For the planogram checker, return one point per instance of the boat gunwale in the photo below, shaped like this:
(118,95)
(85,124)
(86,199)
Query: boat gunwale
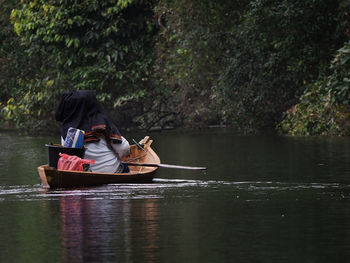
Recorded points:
(149,170)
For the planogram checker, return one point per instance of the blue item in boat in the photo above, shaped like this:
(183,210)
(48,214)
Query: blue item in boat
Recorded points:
(74,138)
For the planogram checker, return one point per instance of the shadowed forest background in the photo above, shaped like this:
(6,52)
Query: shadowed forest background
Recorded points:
(255,66)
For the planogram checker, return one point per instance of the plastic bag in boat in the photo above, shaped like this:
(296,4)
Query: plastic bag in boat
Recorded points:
(72,162)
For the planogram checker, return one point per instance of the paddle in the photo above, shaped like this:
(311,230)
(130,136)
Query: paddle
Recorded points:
(172,166)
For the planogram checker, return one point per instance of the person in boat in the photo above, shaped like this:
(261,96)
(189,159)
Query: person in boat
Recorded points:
(103,141)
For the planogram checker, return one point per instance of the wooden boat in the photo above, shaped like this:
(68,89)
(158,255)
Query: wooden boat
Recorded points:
(54,178)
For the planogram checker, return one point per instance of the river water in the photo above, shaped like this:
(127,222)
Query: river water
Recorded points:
(262,199)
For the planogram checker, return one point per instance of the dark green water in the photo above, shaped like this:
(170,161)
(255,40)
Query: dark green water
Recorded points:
(263,199)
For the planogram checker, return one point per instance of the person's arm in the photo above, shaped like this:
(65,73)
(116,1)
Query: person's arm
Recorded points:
(122,149)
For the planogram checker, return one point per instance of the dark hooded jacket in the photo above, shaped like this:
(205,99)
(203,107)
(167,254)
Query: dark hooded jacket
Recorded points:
(80,110)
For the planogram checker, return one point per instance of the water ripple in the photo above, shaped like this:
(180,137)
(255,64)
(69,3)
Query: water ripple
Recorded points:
(178,188)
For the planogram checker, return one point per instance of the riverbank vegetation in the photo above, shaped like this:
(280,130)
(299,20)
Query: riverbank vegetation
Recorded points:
(254,65)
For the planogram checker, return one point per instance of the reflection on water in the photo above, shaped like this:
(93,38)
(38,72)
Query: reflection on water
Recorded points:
(95,230)
(262,200)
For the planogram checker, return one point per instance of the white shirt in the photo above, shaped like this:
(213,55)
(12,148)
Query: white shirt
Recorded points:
(106,161)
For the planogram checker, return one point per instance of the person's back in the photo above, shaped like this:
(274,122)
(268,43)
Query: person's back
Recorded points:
(105,158)
(104,143)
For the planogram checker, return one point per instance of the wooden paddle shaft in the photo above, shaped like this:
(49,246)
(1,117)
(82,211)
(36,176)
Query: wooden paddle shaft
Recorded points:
(172,166)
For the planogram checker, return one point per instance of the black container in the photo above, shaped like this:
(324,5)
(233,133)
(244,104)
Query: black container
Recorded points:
(55,149)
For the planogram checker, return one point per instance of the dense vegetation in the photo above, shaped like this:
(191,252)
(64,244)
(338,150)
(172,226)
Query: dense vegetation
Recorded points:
(279,47)
(251,64)
(324,108)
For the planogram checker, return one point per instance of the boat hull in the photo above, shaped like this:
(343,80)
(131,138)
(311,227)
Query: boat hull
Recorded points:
(54,178)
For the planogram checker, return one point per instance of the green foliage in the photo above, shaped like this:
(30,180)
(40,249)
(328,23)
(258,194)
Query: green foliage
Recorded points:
(191,48)
(12,57)
(16,71)
(324,109)
(31,108)
(278,48)
(180,63)
(316,114)
(99,45)
(339,82)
